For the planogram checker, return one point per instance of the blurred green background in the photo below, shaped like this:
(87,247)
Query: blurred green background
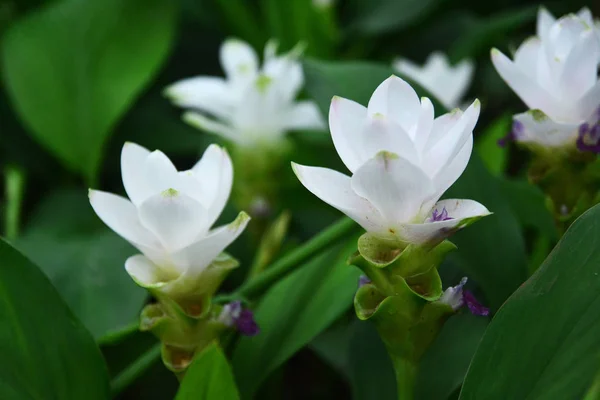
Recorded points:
(81,77)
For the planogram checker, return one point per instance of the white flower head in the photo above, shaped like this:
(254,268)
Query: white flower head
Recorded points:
(556,76)
(447,83)
(402,160)
(169,213)
(252,104)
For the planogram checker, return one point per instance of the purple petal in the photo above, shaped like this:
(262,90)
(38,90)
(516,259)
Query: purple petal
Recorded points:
(474,306)
(245,323)
(363,280)
(440,216)
(515,132)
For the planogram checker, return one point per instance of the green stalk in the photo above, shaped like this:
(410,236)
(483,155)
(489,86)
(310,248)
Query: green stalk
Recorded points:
(329,237)
(14,188)
(118,335)
(135,370)
(406,373)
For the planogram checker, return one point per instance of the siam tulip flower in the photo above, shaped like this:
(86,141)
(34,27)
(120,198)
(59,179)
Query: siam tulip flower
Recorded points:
(252,105)
(234,315)
(555,74)
(402,161)
(168,217)
(545,21)
(457,297)
(445,82)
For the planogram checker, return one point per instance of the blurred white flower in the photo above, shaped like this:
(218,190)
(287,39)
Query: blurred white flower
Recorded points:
(545,21)
(556,76)
(402,161)
(445,82)
(169,214)
(251,105)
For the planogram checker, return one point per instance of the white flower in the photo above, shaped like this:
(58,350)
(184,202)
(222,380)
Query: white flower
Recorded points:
(402,161)
(252,105)
(445,82)
(453,295)
(555,74)
(169,214)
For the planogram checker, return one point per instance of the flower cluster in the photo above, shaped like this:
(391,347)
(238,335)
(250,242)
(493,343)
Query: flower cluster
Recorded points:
(556,75)
(402,160)
(252,105)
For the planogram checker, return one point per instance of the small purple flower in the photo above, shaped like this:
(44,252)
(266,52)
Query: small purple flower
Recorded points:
(437,216)
(234,315)
(473,305)
(456,297)
(588,138)
(363,280)
(515,133)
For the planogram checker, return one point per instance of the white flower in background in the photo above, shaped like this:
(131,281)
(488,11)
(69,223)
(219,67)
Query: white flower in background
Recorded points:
(252,104)
(402,160)
(169,214)
(556,76)
(445,82)
(545,21)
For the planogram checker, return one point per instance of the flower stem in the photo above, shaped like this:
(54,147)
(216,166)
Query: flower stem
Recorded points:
(14,188)
(330,236)
(118,335)
(406,373)
(135,370)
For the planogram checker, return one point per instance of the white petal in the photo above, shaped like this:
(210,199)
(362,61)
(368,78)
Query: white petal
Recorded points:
(175,218)
(384,134)
(346,122)
(536,127)
(211,126)
(545,20)
(121,216)
(287,75)
(215,173)
(458,210)
(579,73)
(239,61)
(451,142)
(304,115)
(335,189)
(397,100)
(528,55)
(147,274)
(425,124)
(453,170)
(204,93)
(133,161)
(521,83)
(395,186)
(197,256)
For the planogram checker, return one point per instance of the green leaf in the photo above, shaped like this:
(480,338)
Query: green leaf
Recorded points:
(209,377)
(97,57)
(85,261)
(444,366)
(543,343)
(293,312)
(46,352)
(491,251)
(494,157)
(382,16)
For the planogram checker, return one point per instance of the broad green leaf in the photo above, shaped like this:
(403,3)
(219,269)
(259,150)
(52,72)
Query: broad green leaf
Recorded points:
(209,377)
(293,312)
(444,366)
(494,157)
(46,353)
(85,261)
(74,67)
(543,342)
(371,371)
(491,251)
(528,203)
(488,32)
(382,16)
